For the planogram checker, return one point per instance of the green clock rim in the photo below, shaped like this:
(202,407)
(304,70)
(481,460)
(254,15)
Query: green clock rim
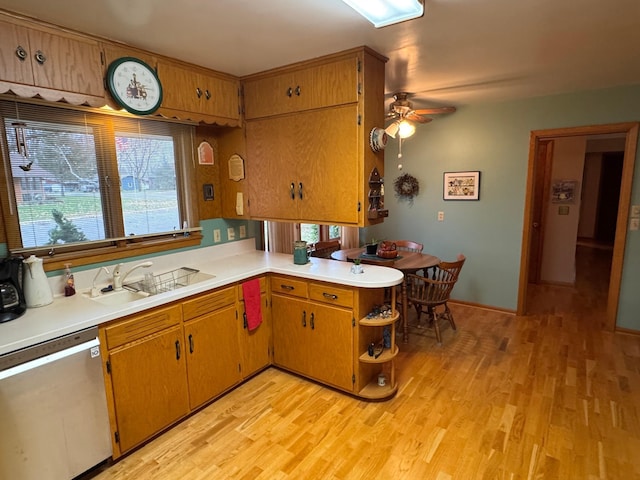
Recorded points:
(112,90)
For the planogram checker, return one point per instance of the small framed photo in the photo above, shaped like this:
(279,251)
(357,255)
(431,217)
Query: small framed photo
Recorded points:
(564,191)
(461,186)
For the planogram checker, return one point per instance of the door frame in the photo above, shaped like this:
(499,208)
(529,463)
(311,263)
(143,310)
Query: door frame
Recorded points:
(630,129)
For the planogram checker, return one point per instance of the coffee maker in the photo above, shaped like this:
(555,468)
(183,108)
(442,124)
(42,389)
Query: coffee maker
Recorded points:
(12,301)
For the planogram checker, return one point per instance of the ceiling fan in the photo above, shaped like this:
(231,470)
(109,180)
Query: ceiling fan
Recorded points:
(404,116)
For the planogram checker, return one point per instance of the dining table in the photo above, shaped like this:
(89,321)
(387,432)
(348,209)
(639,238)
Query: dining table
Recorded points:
(406,262)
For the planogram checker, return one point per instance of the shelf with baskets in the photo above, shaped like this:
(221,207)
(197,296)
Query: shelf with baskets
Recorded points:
(377,367)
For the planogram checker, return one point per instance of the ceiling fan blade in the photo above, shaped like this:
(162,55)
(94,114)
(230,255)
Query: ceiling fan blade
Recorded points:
(435,111)
(414,117)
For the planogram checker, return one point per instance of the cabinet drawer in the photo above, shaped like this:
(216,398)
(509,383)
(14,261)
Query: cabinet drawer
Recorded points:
(331,294)
(263,288)
(208,303)
(289,286)
(142,325)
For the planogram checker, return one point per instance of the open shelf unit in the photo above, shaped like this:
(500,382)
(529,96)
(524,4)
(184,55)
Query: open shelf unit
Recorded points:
(371,331)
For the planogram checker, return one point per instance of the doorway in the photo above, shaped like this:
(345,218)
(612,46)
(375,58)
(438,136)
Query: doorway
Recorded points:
(538,154)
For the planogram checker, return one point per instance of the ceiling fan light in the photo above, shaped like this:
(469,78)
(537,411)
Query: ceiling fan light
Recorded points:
(406,129)
(387,12)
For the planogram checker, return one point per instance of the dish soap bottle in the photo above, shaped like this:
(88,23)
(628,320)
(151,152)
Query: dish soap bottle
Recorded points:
(69,284)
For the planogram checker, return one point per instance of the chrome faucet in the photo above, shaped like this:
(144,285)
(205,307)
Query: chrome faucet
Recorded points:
(118,278)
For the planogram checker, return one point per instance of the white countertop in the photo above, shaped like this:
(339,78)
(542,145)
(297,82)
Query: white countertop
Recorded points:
(230,263)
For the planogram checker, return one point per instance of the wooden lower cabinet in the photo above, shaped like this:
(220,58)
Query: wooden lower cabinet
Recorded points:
(311,338)
(147,377)
(213,358)
(162,364)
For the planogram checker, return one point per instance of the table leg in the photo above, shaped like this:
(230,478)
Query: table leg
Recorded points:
(405,330)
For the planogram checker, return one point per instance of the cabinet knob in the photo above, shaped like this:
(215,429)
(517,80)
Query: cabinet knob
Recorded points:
(300,190)
(289,92)
(298,90)
(177,349)
(304,318)
(198,92)
(207,94)
(21,53)
(190,343)
(330,296)
(40,57)
(293,191)
(313,325)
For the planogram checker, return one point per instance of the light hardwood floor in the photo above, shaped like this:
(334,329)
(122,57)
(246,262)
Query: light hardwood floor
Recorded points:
(545,396)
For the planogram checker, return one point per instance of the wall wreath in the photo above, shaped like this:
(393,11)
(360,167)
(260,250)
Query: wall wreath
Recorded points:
(406,186)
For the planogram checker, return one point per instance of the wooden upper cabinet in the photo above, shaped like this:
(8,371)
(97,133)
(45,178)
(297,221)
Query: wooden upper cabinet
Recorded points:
(57,61)
(328,84)
(198,91)
(308,155)
(15,65)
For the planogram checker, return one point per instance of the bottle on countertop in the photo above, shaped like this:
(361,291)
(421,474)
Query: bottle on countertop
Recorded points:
(69,283)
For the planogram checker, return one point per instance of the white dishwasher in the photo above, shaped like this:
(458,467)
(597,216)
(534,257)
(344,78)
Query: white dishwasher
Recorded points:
(53,409)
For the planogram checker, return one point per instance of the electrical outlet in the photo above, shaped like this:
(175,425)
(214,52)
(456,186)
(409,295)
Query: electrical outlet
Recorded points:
(231,233)
(216,235)
(634,224)
(635,211)
(243,231)
(441,216)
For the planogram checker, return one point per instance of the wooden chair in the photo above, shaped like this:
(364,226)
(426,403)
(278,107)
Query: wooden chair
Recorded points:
(428,293)
(324,249)
(408,246)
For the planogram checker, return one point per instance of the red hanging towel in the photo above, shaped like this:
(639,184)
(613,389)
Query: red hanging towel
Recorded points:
(252,307)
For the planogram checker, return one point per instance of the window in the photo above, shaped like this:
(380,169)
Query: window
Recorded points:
(77,176)
(312,232)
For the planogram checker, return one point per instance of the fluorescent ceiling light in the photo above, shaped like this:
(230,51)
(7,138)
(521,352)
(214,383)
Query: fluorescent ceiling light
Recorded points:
(387,12)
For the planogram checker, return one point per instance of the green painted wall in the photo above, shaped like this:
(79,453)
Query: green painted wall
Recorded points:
(494,139)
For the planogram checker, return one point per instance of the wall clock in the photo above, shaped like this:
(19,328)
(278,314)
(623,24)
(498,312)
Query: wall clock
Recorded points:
(134,85)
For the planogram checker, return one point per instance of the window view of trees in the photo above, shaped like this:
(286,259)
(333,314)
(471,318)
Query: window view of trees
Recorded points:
(312,232)
(63,174)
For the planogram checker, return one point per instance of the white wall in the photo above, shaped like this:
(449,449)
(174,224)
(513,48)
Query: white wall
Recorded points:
(561,231)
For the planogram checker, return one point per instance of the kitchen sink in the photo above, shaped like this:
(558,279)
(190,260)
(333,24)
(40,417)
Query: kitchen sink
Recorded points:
(117,298)
(168,281)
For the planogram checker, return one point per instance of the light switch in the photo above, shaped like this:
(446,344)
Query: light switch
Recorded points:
(635,211)
(440,216)
(216,235)
(231,233)
(634,224)
(243,231)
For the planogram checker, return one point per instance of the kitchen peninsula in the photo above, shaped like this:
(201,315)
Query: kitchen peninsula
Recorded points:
(317,307)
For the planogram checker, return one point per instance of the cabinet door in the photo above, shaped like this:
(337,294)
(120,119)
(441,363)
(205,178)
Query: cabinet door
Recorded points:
(332,345)
(149,382)
(213,359)
(291,334)
(255,344)
(327,157)
(272,166)
(14,40)
(70,64)
(219,96)
(179,87)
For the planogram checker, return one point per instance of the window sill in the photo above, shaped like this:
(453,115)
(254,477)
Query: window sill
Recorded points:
(117,252)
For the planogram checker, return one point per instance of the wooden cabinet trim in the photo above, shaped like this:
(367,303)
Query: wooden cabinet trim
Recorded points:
(140,326)
(208,303)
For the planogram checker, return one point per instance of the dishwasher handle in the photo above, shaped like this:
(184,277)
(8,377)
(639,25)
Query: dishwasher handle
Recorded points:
(46,359)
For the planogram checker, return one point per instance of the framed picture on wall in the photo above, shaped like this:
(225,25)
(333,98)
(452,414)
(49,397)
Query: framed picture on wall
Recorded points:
(564,191)
(461,186)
